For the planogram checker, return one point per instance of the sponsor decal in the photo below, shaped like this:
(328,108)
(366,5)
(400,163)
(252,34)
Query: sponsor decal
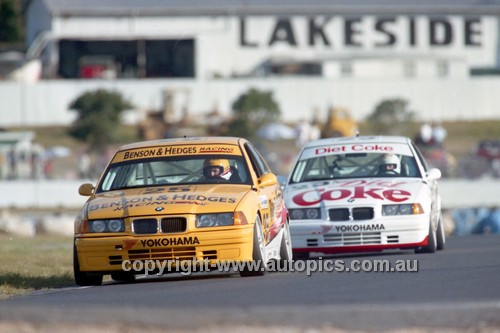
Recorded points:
(172,150)
(129,243)
(314,197)
(380,148)
(218,150)
(357,227)
(170,241)
(324,230)
(264,203)
(161,200)
(349,228)
(161,151)
(354,148)
(174,189)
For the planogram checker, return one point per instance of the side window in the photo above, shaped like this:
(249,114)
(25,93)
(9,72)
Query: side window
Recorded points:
(421,157)
(258,164)
(261,161)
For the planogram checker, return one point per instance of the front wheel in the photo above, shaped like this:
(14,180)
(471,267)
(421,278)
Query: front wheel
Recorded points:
(82,278)
(431,244)
(286,244)
(125,277)
(441,237)
(257,266)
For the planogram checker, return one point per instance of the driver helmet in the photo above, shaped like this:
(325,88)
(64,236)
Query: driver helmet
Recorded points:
(216,168)
(389,163)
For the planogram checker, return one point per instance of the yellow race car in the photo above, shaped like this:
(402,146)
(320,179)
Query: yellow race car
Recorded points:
(181,200)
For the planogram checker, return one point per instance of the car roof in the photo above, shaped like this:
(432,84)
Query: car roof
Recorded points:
(183,141)
(357,139)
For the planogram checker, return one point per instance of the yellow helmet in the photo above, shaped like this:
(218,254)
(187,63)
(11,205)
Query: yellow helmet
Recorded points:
(220,163)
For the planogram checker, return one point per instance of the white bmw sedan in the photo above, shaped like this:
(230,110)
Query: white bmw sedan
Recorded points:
(362,194)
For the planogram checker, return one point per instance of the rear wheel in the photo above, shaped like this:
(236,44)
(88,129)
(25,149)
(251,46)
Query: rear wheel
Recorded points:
(431,244)
(82,278)
(127,277)
(301,255)
(257,266)
(441,237)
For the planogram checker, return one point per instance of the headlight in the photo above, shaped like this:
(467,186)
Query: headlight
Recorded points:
(305,214)
(406,209)
(214,220)
(115,225)
(81,221)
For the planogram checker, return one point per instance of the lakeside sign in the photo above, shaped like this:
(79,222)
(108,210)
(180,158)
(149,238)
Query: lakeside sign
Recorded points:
(336,32)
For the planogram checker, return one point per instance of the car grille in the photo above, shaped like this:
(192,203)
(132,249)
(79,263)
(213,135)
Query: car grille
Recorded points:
(210,255)
(145,226)
(115,260)
(393,239)
(362,213)
(339,214)
(346,239)
(173,224)
(181,253)
(312,242)
(347,214)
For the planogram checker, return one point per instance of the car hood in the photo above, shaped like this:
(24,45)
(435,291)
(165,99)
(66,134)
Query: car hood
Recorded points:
(353,192)
(166,200)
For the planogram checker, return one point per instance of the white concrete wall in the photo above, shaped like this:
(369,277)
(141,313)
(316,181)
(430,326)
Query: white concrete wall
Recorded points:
(23,194)
(47,102)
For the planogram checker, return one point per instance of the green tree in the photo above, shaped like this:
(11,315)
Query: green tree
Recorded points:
(251,111)
(391,117)
(98,121)
(9,22)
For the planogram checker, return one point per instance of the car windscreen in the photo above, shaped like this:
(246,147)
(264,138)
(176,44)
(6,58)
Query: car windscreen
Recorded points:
(354,165)
(174,170)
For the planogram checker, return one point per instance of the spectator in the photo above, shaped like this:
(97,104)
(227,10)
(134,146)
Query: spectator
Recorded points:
(12,163)
(424,137)
(490,224)
(83,165)
(438,134)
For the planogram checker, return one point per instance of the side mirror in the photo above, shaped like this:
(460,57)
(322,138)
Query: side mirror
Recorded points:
(268,179)
(434,174)
(86,189)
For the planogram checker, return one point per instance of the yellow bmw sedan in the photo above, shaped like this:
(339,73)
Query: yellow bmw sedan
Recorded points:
(210,199)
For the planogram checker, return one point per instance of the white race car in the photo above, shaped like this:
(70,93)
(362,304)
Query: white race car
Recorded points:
(361,194)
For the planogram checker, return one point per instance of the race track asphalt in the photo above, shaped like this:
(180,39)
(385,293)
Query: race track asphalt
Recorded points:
(458,288)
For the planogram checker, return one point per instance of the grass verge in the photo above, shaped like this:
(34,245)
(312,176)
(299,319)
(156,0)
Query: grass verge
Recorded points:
(29,264)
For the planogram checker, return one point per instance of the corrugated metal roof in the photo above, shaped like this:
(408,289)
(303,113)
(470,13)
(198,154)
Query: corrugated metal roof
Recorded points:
(268,7)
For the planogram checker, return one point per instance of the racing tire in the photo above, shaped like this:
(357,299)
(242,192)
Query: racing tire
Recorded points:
(257,266)
(441,237)
(125,277)
(82,278)
(431,244)
(301,255)
(286,244)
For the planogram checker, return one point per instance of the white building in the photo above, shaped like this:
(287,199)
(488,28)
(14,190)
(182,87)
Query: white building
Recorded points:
(353,53)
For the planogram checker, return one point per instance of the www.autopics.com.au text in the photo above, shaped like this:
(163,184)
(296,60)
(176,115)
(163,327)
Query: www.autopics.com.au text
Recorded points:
(187,267)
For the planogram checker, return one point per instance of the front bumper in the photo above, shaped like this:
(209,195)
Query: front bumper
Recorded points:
(359,236)
(106,254)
